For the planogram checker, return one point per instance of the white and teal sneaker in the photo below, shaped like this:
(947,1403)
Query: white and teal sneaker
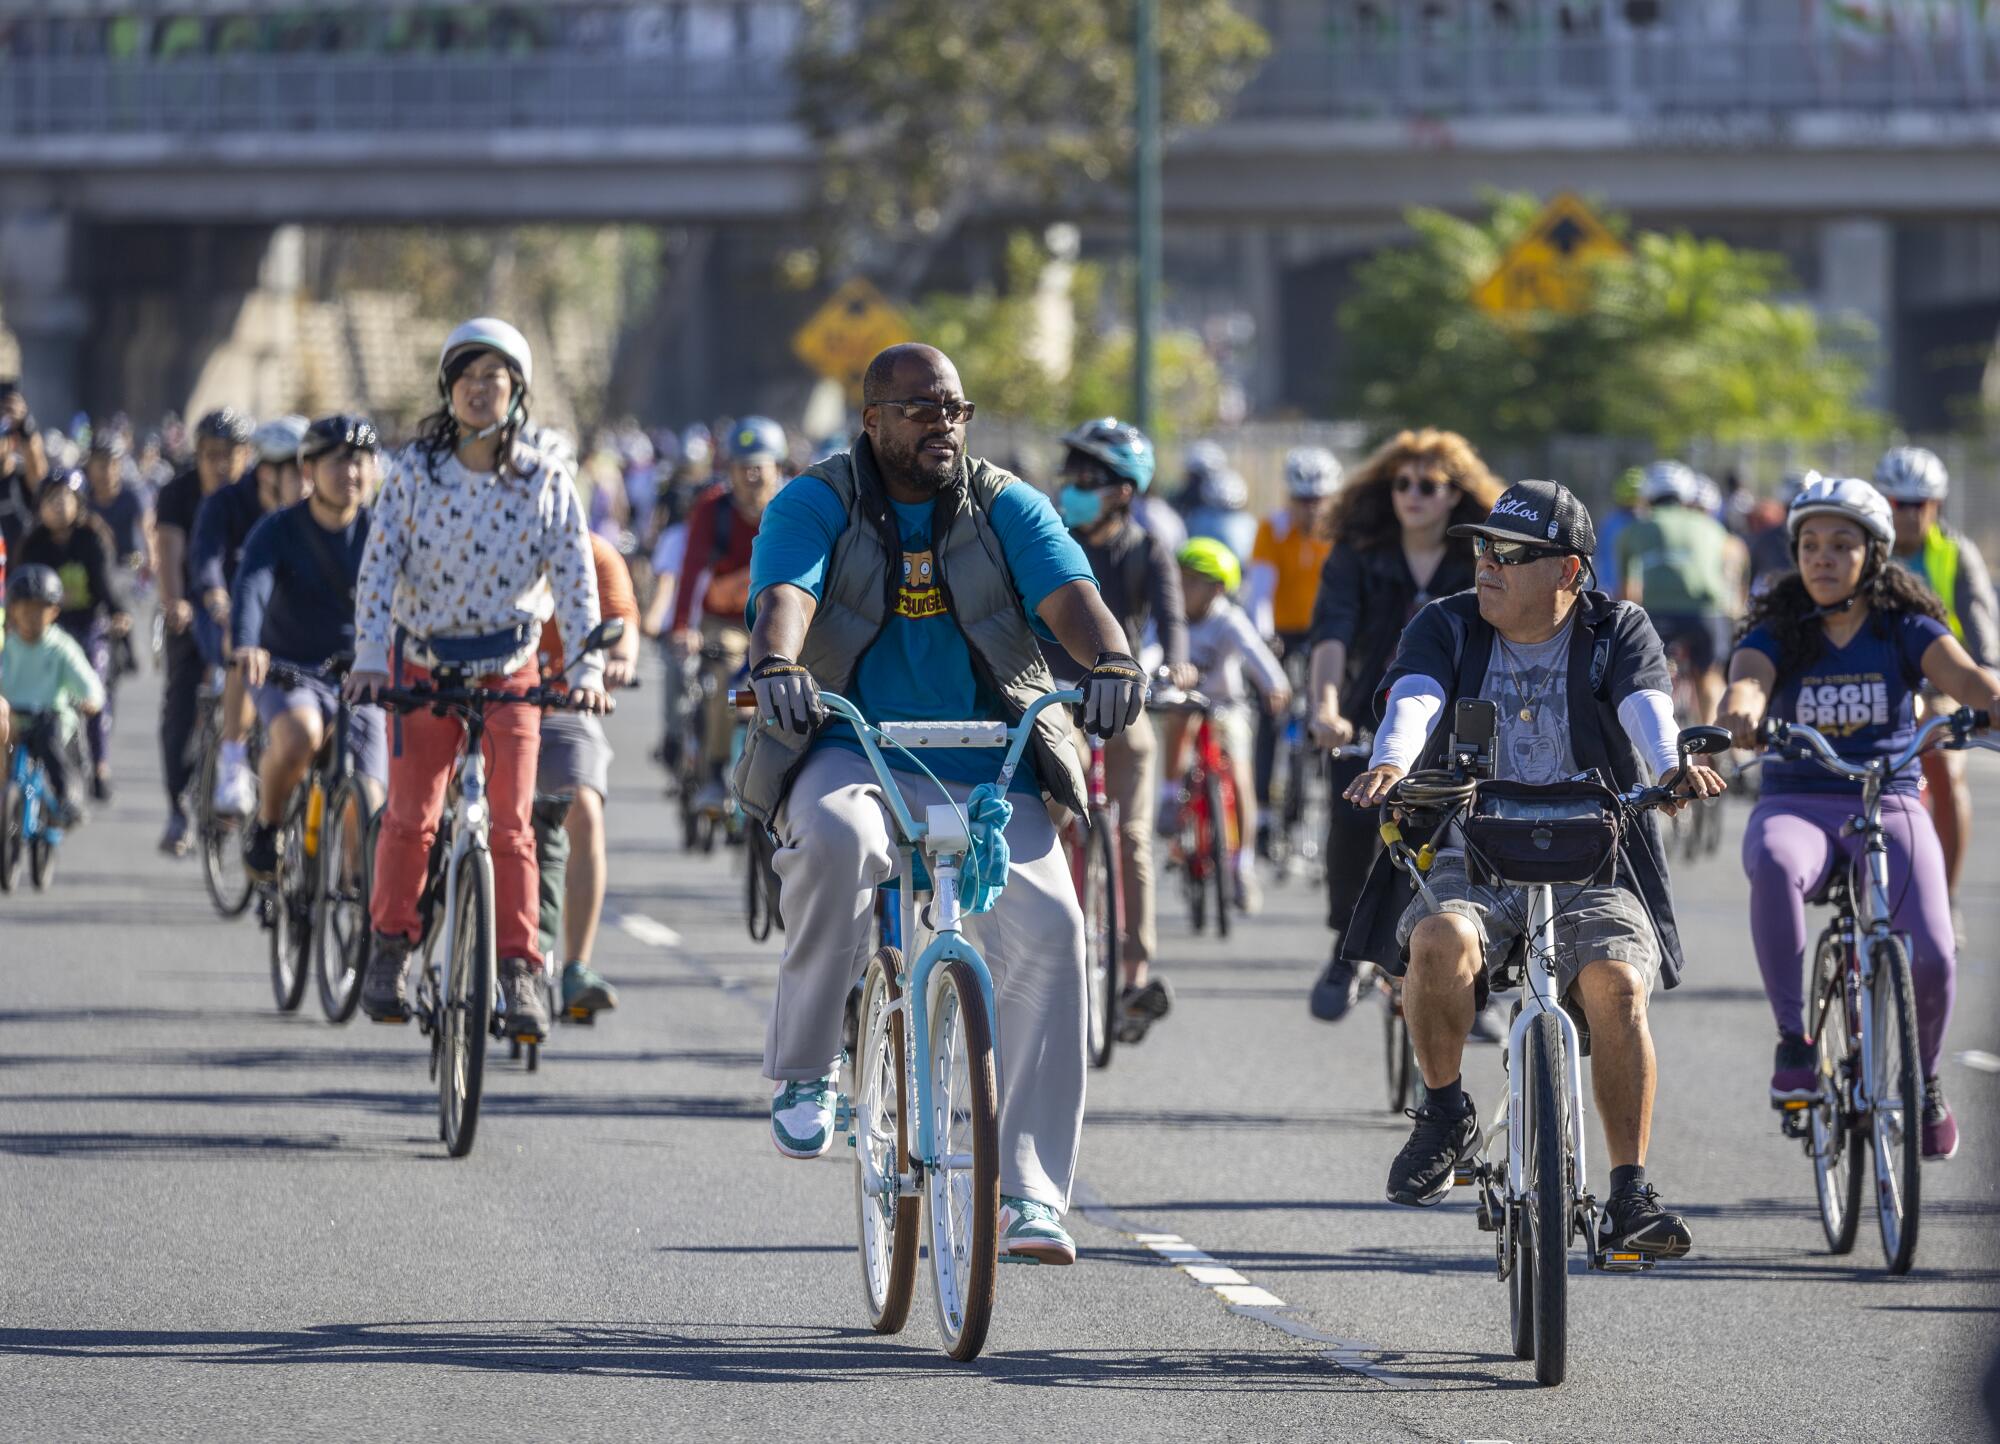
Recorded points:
(1034,1230)
(802,1116)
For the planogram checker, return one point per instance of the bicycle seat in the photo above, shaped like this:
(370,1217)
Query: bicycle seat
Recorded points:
(1831,890)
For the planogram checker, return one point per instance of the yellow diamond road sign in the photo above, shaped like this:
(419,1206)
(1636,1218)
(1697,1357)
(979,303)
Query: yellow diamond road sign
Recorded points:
(845,333)
(1548,269)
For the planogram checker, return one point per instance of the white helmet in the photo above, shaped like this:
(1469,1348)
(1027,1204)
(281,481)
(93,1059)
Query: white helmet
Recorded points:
(1311,472)
(278,441)
(488,333)
(1794,483)
(1671,481)
(1847,496)
(1225,490)
(1910,473)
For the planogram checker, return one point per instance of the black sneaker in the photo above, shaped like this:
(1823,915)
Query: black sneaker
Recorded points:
(1422,1172)
(1337,990)
(1636,1223)
(1140,1008)
(260,852)
(527,1007)
(384,994)
(1794,1072)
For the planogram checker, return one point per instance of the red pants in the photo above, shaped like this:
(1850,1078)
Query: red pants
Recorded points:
(418,773)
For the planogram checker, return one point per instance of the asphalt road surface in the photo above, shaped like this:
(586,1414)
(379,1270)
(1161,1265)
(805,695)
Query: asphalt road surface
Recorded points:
(223,1223)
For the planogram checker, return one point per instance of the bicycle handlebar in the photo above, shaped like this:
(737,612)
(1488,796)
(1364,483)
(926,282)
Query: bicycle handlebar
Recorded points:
(416,699)
(1800,742)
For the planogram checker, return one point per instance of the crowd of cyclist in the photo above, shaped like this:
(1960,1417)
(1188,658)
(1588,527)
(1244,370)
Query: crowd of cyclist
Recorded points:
(297,570)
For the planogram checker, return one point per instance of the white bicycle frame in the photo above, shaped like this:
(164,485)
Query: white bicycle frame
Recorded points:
(471,824)
(1539,995)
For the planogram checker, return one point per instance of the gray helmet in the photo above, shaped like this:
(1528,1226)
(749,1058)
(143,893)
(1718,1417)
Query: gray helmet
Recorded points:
(36,583)
(1311,472)
(1911,474)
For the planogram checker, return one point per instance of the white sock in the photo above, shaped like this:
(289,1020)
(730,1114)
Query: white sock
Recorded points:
(232,753)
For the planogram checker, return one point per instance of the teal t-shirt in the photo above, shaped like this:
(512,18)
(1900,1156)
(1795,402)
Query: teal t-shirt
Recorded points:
(919,669)
(49,675)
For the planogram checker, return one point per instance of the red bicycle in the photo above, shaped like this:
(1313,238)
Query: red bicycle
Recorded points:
(1206,835)
(1091,843)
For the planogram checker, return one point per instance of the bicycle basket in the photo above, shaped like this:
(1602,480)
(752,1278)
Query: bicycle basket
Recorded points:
(1518,833)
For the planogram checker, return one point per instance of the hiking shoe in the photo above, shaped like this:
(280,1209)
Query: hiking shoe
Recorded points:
(1034,1230)
(1141,1007)
(384,994)
(802,1116)
(100,786)
(1422,1172)
(174,841)
(1940,1128)
(527,1006)
(260,852)
(1636,1223)
(234,794)
(1794,1072)
(585,993)
(1337,989)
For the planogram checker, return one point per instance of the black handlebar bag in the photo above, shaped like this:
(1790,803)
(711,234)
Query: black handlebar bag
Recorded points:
(1520,834)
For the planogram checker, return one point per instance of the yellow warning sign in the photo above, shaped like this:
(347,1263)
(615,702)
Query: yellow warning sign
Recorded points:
(844,334)
(1548,269)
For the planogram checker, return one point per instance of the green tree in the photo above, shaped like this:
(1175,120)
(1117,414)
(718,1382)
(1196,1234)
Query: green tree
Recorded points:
(1682,339)
(924,112)
(997,339)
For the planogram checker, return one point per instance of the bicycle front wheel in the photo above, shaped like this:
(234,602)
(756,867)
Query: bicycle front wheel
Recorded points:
(340,916)
(758,903)
(222,841)
(888,1218)
(1219,827)
(41,861)
(291,914)
(1401,1057)
(1837,1145)
(468,1006)
(962,1187)
(1545,1211)
(12,845)
(1100,939)
(1896,1103)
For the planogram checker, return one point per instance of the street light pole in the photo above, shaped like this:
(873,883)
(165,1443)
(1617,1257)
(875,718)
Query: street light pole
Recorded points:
(1146,213)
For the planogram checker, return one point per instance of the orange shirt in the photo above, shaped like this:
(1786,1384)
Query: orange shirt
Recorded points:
(615,598)
(1297,559)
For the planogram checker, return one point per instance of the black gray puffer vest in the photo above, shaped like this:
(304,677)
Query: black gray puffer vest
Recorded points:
(858,598)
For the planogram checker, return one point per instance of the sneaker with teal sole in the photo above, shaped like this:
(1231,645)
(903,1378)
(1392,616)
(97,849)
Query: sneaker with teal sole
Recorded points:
(585,994)
(802,1116)
(1034,1230)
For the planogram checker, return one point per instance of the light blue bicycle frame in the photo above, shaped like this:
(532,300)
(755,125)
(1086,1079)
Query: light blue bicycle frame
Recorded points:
(945,919)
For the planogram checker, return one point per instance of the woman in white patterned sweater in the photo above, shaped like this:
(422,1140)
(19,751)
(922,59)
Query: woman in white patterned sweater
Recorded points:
(476,540)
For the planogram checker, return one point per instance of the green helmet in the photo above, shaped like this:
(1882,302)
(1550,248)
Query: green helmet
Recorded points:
(1207,557)
(1627,489)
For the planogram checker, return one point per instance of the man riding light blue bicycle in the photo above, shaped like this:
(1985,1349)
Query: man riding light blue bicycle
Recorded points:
(915,581)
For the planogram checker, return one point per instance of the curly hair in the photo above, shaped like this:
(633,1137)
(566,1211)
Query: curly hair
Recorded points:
(1788,611)
(1364,513)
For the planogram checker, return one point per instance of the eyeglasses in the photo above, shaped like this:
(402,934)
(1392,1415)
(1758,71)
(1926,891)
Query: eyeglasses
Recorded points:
(926,412)
(1087,475)
(1511,553)
(1424,486)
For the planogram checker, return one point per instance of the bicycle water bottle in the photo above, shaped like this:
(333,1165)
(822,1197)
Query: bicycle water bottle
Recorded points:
(315,809)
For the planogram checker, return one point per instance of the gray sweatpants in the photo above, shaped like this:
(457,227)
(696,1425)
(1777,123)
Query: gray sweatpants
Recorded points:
(835,846)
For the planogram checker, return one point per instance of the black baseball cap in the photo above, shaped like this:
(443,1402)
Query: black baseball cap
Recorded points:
(1541,513)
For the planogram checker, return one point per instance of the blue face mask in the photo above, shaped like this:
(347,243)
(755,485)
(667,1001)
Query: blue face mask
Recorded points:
(1079,507)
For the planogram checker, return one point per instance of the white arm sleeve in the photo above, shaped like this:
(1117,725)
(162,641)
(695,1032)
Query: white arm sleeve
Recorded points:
(1648,719)
(1415,704)
(1258,590)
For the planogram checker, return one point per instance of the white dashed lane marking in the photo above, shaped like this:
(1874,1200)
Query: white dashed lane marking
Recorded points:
(1980,1060)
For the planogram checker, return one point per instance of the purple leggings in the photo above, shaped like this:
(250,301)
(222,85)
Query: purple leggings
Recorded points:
(1788,849)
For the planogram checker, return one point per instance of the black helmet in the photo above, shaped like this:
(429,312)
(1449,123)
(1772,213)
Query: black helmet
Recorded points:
(35,583)
(225,423)
(340,430)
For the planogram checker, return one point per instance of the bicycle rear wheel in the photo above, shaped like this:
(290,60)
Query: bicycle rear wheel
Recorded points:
(1896,1103)
(12,844)
(1545,1211)
(1837,1145)
(888,1219)
(962,1190)
(291,931)
(1400,1055)
(340,914)
(1100,939)
(1218,850)
(468,1004)
(222,840)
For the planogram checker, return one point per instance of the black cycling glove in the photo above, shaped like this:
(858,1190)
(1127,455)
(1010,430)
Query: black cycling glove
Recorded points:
(1114,694)
(787,696)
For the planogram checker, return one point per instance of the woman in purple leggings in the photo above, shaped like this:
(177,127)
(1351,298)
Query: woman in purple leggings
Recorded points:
(1843,643)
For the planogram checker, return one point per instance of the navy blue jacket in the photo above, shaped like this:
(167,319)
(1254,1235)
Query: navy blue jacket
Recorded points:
(294,593)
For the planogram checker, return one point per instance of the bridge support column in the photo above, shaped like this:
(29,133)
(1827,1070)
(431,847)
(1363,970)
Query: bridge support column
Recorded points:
(42,307)
(1858,280)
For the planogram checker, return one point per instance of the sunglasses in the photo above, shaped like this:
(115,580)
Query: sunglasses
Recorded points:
(1088,475)
(926,412)
(1909,505)
(1511,553)
(1424,486)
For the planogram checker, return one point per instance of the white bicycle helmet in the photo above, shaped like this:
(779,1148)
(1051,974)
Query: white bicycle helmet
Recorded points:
(488,333)
(1794,483)
(1847,496)
(1311,472)
(1225,490)
(1911,473)
(278,441)
(1671,481)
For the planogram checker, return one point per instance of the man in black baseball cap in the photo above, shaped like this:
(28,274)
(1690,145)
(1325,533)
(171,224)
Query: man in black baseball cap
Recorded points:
(1579,682)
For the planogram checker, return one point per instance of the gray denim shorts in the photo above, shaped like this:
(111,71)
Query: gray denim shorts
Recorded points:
(575,753)
(1592,923)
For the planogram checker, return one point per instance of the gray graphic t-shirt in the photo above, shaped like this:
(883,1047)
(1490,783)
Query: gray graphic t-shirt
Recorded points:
(1535,680)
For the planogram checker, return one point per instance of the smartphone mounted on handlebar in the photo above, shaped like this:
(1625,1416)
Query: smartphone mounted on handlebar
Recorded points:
(1475,722)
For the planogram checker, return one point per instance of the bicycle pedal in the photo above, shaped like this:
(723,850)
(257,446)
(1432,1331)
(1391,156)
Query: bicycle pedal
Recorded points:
(1622,1261)
(1463,1174)
(584,1016)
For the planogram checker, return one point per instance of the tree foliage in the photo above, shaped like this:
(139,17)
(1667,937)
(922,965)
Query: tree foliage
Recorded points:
(1684,339)
(924,111)
(996,339)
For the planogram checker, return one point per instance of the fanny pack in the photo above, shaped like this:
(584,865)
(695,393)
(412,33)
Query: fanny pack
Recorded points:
(490,652)
(1518,833)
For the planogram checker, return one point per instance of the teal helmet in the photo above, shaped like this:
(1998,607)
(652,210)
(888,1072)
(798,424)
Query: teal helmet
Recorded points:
(1122,448)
